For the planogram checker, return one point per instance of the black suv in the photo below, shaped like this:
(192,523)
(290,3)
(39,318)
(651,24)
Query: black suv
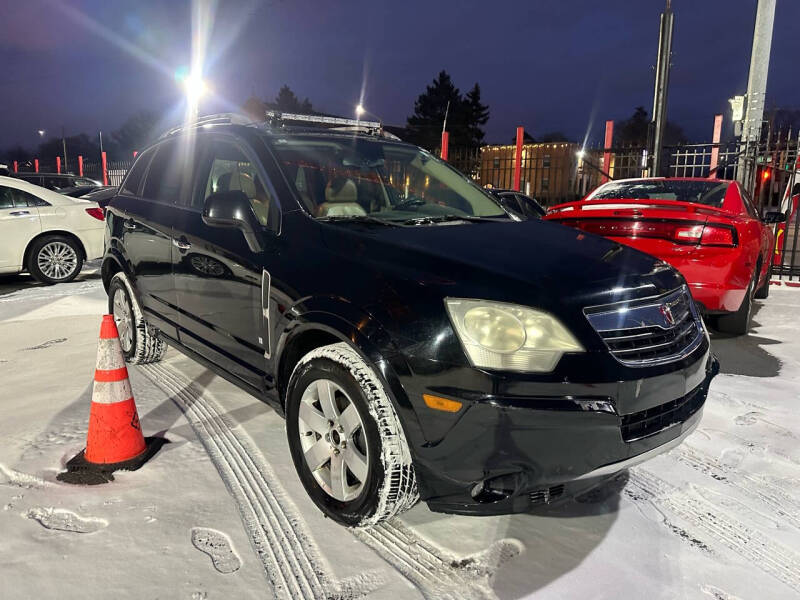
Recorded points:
(420,343)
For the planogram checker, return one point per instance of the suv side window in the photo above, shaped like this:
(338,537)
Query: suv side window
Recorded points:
(133,180)
(55,183)
(168,169)
(229,168)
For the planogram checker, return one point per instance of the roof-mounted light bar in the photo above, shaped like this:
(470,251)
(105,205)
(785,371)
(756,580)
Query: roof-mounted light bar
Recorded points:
(274,117)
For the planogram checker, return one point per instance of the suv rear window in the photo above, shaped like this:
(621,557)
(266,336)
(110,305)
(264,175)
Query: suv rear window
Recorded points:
(710,193)
(134,177)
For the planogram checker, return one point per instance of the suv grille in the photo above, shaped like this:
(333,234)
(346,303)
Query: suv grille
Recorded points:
(640,424)
(652,331)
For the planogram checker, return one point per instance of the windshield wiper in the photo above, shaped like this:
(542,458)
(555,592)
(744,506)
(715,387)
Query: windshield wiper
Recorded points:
(358,219)
(448,218)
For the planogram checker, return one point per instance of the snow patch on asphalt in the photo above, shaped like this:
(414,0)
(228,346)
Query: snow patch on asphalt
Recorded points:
(10,476)
(60,519)
(218,547)
(436,573)
(277,532)
(50,292)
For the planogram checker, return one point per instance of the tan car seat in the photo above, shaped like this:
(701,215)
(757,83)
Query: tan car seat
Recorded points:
(341,200)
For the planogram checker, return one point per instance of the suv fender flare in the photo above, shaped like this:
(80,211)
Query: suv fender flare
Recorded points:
(114,262)
(367,337)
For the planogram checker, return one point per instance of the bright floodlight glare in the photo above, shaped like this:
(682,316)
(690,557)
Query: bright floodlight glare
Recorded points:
(41,132)
(359,110)
(580,153)
(195,87)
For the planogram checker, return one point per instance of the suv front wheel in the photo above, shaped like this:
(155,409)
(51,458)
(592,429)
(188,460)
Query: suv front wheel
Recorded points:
(346,440)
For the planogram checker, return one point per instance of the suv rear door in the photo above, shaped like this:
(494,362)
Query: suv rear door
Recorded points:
(145,231)
(221,284)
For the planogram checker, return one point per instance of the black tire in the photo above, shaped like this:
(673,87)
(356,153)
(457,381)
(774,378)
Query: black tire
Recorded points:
(55,259)
(738,323)
(389,487)
(762,293)
(140,342)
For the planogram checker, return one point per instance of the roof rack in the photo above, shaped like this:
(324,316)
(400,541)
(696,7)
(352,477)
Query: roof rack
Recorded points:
(277,118)
(215,119)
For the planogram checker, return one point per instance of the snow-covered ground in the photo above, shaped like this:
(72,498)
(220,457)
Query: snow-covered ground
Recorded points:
(219,512)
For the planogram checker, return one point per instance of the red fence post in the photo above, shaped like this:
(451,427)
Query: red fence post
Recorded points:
(58,164)
(80,165)
(35,165)
(715,148)
(16,167)
(607,147)
(518,158)
(105,168)
(445,144)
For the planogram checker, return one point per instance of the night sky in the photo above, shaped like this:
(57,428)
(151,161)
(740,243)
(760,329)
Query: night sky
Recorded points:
(548,65)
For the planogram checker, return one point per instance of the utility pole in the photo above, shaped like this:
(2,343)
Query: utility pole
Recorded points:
(659,118)
(64,146)
(756,85)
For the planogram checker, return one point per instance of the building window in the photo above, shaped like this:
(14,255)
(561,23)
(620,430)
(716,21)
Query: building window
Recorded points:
(546,161)
(496,162)
(545,184)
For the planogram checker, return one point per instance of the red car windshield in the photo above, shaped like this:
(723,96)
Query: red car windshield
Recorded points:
(710,193)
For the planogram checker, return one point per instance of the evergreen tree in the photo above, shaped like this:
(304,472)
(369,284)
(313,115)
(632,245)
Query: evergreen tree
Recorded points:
(465,117)
(287,101)
(477,116)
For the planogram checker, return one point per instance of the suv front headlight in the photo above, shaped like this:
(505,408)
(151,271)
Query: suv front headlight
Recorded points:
(497,335)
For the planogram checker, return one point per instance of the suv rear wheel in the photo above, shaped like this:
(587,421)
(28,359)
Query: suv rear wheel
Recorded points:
(140,342)
(357,472)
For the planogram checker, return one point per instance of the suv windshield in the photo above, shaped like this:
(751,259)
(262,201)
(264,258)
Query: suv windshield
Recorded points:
(356,178)
(710,193)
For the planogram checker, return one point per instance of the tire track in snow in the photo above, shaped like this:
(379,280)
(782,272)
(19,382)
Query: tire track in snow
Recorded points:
(277,532)
(771,496)
(436,573)
(754,547)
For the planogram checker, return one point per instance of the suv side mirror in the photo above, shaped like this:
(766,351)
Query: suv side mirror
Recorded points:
(771,218)
(232,209)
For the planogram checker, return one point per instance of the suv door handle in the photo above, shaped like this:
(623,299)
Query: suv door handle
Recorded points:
(130,226)
(20,213)
(180,245)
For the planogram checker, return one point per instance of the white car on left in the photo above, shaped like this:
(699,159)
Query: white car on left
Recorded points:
(45,233)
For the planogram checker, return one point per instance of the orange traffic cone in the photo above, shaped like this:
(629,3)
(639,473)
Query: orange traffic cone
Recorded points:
(115,439)
(114,431)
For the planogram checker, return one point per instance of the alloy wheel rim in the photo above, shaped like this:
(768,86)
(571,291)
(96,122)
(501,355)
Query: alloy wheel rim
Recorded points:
(57,260)
(123,320)
(333,440)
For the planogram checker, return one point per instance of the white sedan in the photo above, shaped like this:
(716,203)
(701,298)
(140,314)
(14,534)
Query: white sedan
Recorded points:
(45,233)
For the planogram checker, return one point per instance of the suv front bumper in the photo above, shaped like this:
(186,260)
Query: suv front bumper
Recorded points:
(507,453)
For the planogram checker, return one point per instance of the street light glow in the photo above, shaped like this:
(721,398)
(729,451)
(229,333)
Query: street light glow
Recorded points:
(41,132)
(580,153)
(359,110)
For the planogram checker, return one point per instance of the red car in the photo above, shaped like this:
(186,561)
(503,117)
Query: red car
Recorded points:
(708,229)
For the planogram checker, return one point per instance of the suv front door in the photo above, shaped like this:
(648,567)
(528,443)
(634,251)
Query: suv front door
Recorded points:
(220,282)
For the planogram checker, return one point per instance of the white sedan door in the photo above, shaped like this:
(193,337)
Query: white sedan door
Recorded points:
(19,223)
